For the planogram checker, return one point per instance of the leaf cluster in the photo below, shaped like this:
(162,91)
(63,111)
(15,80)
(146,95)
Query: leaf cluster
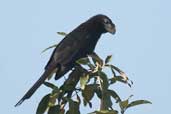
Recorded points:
(87,80)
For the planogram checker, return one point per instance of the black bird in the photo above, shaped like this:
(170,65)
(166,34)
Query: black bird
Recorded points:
(77,44)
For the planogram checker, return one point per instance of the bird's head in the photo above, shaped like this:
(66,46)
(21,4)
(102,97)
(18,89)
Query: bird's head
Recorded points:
(103,24)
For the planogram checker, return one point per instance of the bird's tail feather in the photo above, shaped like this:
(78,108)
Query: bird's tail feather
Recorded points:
(38,83)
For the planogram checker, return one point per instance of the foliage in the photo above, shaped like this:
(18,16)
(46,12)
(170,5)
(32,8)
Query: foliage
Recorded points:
(90,73)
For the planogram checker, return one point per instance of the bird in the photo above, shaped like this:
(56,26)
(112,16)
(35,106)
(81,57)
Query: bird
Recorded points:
(79,43)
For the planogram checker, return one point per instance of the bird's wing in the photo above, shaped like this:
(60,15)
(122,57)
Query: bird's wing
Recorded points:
(66,51)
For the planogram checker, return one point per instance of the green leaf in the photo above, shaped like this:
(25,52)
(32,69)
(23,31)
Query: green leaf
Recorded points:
(83,81)
(50,85)
(111,68)
(55,91)
(103,77)
(122,74)
(105,112)
(62,111)
(68,87)
(116,68)
(91,66)
(138,102)
(43,105)
(62,33)
(112,80)
(54,109)
(113,72)
(52,99)
(88,92)
(117,78)
(83,61)
(84,102)
(106,101)
(73,107)
(78,99)
(96,59)
(53,46)
(120,79)
(123,104)
(73,78)
(114,95)
(98,92)
(108,59)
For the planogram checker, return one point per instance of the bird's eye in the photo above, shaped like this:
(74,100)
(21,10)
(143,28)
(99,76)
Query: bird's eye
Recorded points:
(106,21)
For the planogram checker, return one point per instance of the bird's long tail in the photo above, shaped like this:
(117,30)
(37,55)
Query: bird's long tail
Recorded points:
(38,83)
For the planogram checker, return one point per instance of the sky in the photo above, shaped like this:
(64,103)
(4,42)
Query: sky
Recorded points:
(140,47)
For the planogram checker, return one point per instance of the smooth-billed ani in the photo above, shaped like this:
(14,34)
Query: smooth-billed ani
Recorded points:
(77,44)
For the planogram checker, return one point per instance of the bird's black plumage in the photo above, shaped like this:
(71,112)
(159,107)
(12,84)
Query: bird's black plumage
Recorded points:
(77,44)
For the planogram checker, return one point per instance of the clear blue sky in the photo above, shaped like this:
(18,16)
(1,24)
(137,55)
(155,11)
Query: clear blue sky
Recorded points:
(141,47)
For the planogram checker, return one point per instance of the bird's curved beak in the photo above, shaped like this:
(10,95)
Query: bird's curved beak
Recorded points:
(111,29)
